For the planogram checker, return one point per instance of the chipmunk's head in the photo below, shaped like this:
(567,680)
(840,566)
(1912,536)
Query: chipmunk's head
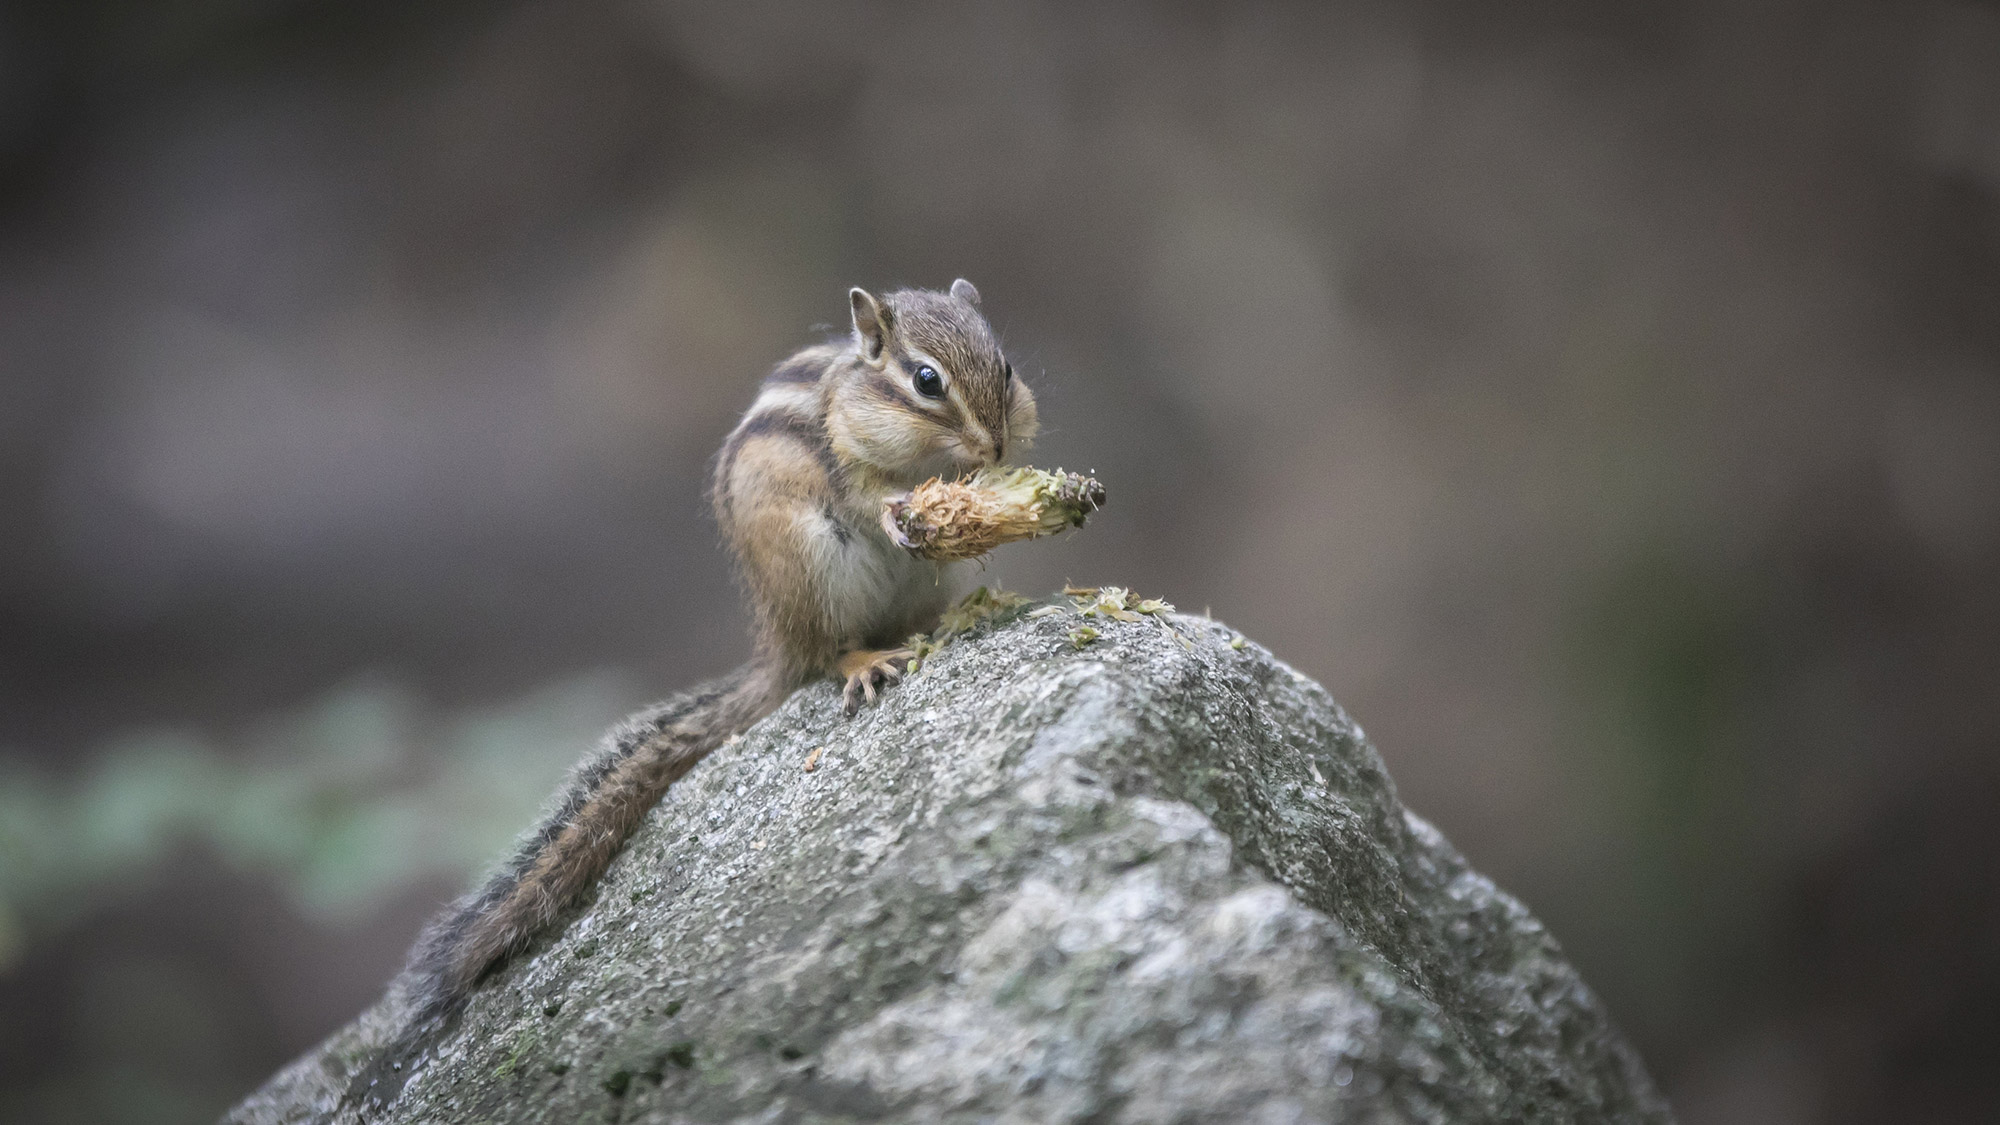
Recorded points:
(932,395)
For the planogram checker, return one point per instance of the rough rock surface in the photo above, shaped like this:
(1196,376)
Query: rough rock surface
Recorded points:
(1158,877)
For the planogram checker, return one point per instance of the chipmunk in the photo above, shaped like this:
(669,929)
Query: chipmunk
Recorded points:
(920,390)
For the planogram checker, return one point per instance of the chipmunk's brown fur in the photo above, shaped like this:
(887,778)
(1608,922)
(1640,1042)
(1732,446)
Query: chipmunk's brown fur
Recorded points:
(920,390)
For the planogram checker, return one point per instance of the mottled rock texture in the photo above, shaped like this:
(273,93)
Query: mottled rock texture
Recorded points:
(1158,877)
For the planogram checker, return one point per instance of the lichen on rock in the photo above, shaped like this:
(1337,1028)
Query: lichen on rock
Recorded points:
(1159,877)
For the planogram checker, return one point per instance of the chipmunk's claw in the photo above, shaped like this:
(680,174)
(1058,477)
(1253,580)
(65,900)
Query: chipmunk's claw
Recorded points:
(869,672)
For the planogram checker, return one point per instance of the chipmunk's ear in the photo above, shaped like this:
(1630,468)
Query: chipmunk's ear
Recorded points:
(872,321)
(963,290)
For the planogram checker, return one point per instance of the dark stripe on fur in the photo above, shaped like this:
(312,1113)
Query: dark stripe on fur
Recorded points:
(839,526)
(884,391)
(798,370)
(778,422)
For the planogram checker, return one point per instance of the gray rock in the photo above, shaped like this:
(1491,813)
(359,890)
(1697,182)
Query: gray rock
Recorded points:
(1159,877)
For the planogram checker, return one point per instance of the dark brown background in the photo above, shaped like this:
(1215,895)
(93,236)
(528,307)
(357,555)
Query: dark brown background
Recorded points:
(1602,399)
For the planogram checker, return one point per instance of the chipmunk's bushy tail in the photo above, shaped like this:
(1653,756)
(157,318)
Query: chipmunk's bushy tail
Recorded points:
(606,798)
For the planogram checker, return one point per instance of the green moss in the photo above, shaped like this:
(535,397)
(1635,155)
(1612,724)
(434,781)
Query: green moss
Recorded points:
(983,606)
(977,608)
(525,1041)
(1115,602)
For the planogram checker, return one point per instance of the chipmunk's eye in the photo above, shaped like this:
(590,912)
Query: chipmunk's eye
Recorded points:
(929,383)
(1010,372)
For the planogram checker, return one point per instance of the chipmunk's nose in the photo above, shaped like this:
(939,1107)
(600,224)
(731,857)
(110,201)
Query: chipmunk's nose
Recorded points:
(983,445)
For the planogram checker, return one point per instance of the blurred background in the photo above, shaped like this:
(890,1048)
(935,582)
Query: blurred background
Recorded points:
(1602,399)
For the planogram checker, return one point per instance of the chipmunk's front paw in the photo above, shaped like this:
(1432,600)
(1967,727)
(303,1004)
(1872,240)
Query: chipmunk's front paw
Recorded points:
(869,671)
